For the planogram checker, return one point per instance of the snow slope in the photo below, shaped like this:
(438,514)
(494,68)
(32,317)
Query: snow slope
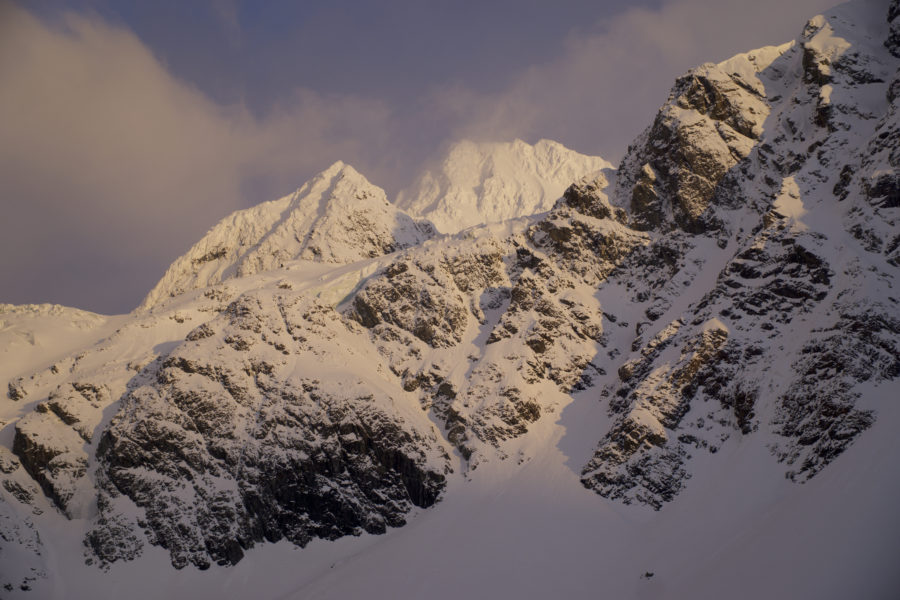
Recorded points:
(35,336)
(32,333)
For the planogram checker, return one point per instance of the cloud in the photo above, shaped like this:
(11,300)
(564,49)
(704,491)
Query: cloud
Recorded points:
(610,79)
(110,167)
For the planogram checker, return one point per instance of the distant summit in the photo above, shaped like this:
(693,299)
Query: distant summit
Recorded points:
(488,182)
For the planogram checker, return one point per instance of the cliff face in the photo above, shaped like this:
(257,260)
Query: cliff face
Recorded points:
(779,158)
(251,430)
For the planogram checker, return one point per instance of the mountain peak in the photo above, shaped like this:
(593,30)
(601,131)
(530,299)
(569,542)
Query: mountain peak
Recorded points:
(338,166)
(485,182)
(338,216)
(341,169)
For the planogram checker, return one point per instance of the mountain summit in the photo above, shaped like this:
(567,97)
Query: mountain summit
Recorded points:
(481,183)
(336,217)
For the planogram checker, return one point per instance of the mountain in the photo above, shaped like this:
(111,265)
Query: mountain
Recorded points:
(340,217)
(39,334)
(490,182)
(336,217)
(680,381)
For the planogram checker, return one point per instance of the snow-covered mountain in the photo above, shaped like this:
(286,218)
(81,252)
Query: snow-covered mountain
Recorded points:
(339,217)
(678,382)
(481,183)
(336,217)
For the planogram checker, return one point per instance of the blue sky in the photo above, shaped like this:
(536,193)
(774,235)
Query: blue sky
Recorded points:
(130,128)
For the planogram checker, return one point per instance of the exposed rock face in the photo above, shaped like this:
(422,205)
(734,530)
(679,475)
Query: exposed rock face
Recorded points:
(635,459)
(22,552)
(417,298)
(892,43)
(712,120)
(584,234)
(516,306)
(230,445)
(53,454)
(818,413)
(786,293)
(51,441)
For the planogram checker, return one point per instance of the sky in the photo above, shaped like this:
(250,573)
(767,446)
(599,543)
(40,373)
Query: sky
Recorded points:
(128,129)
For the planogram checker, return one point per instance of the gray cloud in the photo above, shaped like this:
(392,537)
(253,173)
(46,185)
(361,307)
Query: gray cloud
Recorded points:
(110,166)
(607,84)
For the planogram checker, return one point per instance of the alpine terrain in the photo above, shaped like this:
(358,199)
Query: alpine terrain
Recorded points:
(532,375)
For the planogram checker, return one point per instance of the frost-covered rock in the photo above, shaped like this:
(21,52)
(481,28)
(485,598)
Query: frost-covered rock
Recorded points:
(21,550)
(713,118)
(269,422)
(801,326)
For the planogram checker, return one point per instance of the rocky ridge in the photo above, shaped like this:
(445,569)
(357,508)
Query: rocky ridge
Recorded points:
(778,204)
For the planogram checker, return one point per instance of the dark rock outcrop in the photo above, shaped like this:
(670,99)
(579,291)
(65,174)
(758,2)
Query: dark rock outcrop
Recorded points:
(227,447)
